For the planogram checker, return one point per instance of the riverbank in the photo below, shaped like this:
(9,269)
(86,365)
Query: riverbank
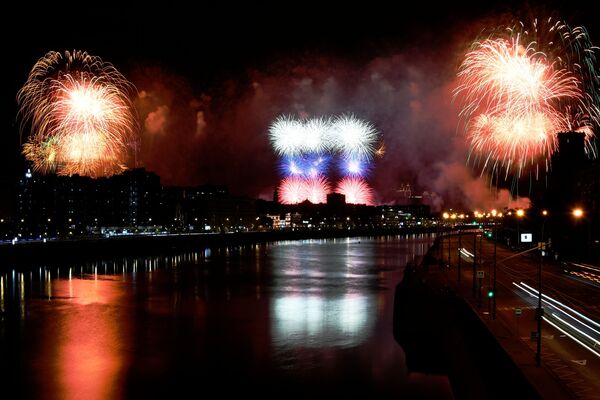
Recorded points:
(82,249)
(484,357)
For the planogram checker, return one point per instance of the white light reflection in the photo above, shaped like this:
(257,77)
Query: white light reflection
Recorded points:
(22,295)
(1,294)
(312,321)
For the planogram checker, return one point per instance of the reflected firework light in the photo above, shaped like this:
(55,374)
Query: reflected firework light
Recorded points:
(522,85)
(79,116)
(356,190)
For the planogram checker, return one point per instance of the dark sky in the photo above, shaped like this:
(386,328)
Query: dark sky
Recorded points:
(211,78)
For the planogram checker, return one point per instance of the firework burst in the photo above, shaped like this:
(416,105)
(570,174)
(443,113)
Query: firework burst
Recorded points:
(295,189)
(353,137)
(356,190)
(316,189)
(80,118)
(307,146)
(354,166)
(520,87)
(307,166)
(292,190)
(287,136)
(291,137)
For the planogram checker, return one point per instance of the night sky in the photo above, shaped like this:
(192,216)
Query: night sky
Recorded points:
(210,80)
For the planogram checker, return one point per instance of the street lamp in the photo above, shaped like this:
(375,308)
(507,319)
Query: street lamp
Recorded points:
(539,310)
(520,213)
(494,213)
(578,213)
(446,216)
(452,217)
(459,249)
(474,287)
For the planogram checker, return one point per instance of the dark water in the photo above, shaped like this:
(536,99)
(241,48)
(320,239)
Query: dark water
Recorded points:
(304,319)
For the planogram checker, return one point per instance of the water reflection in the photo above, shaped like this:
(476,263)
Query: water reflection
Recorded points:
(2,294)
(89,340)
(323,293)
(312,321)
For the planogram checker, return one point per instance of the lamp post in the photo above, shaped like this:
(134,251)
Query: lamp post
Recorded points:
(578,214)
(446,216)
(453,216)
(474,263)
(494,214)
(459,256)
(539,310)
(520,213)
(480,266)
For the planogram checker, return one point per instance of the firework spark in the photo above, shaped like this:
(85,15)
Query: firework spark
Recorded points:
(520,87)
(79,115)
(356,190)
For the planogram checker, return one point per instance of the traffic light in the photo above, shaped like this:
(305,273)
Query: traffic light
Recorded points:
(490,293)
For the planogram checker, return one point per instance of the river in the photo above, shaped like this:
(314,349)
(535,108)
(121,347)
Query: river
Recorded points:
(300,319)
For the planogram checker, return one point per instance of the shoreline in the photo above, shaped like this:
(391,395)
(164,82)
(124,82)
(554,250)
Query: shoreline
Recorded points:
(85,249)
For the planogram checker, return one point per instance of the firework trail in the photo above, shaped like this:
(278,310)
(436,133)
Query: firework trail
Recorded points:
(521,86)
(356,190)
(79,115)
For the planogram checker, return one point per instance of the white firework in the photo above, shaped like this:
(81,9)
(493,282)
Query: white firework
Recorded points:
(353,136)
(287,136)
(316,135)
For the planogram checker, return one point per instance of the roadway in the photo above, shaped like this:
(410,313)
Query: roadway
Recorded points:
(570,303)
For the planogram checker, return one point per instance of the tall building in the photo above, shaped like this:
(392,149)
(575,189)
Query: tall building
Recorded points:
(566,165)
(571,185)
(70,205)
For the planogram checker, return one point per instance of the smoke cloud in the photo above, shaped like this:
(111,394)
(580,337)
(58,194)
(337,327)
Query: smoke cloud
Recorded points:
(156,120)
(222,138)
